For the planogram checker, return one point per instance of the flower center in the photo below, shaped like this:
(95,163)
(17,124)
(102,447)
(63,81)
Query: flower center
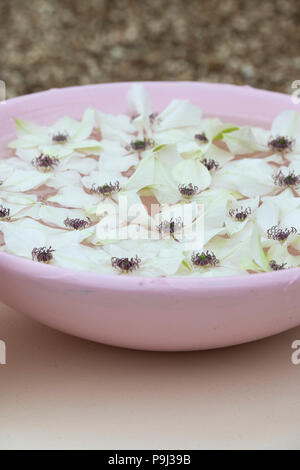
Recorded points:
(281,144)
(45,163)
(43,254)
(126,265)
(210,164)
(141,145)
(76,224)
(276,233)
(188,190)
(201,138)
(60,137)
(106,189)
(170,226)
(277,267)
(4,212)
(287,180)
(153,117)
(240,214)
(207,258)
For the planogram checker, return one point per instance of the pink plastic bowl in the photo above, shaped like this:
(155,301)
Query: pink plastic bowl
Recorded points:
(145,313)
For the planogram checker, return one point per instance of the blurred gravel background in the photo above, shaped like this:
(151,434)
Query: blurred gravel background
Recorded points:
(59,43)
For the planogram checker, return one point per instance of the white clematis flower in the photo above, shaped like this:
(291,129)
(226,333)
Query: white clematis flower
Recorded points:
(240,213)
(59,140)
(47,164)
(71,219)
(283,139)
(144,257)
(168,177)
(279,221)
(16,176)
(288,177)
(238,255)
(30,239)
(203,142)
(166,127)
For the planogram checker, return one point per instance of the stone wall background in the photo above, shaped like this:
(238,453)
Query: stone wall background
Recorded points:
(58,43)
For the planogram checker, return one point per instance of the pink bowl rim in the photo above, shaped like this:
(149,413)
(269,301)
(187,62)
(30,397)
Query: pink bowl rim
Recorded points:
(97,280)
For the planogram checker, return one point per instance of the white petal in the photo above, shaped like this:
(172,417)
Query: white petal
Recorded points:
(179,113)
(243,142)
(74,197)
(287,124)
(138,100)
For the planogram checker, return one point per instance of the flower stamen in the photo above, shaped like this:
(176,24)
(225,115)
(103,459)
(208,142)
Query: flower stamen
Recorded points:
(153,117)
(204,259)
(277,267)
(42,255)
(281,144)
(126,265)
(276,233)
(60,137)
(45,162)
(202,138)
(289,180)
(240,214)
(106,189)
(210,164)
(4,212)
(77,224)
(141,145)
(188,190)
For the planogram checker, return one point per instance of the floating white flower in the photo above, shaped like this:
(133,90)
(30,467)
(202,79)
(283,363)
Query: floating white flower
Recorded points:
(53,165)
(145,258)
(166,127)
(59,140)
(71,219)
(283,139)
(16,177)
(240,213)
(278,220)
(30,239)
(168,177)
(204,140)
(240,254)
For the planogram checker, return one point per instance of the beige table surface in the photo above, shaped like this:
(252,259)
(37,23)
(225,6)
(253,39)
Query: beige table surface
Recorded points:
(62,392)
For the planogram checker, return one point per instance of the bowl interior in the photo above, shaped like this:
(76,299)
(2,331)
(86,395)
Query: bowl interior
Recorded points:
(242,105)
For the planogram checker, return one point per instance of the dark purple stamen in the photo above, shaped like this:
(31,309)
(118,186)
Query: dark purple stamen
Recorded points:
(202,138)
(44,162)
(77,224)
(281,144)
(126,265)
(240,214)
(287,180)
(153,117)
(42,255)
(60,137)
(203,259)
(141,145)
(170,226)
(277,267)
(210,164)
(276,233)
(4,212)
(107,189)
(188,190)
